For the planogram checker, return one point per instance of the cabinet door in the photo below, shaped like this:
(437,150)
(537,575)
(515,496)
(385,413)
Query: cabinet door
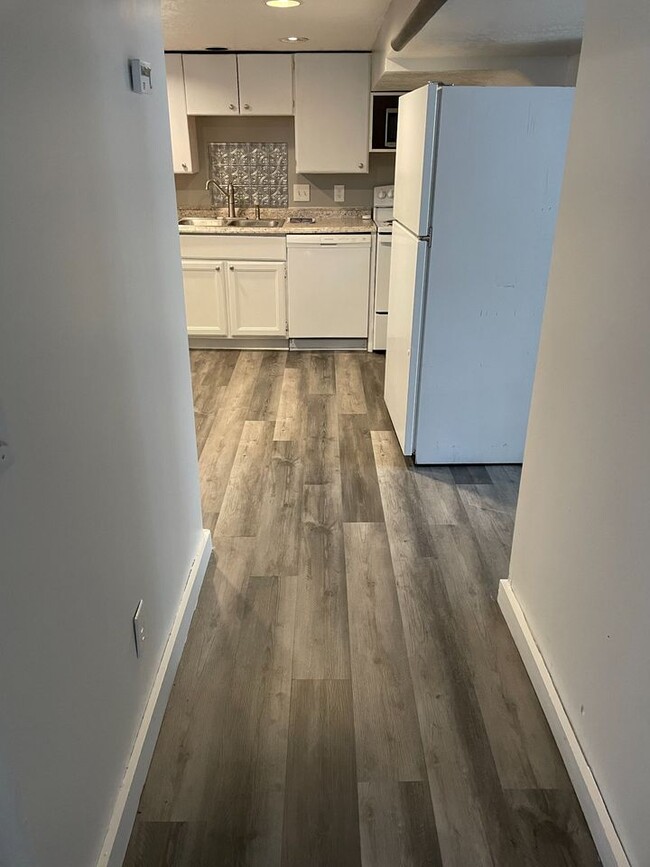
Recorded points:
(211,84)
(332,113)
(257,298)
(205,298)
(183,128)
(265,84)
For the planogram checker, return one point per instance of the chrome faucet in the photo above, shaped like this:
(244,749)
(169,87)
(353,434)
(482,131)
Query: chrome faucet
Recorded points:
(229,193)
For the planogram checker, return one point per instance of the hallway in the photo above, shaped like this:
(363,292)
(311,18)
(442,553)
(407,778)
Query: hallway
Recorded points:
(349,693)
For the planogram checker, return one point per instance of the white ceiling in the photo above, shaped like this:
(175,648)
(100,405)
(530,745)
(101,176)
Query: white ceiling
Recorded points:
(461,27)
(251,25)
(472,27)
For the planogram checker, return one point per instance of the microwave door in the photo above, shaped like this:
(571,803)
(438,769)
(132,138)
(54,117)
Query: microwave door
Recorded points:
(390,132)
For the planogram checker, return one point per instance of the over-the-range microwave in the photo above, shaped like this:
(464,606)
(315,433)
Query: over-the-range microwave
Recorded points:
(384,121)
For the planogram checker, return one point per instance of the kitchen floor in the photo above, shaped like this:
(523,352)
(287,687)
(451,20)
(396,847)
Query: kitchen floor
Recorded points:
(349,693)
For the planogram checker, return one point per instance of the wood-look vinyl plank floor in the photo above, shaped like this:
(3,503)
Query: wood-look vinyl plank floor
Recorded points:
(349,694)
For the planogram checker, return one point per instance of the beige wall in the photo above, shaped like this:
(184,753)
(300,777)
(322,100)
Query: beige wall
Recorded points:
(581,557)
(101,506)
(190,189)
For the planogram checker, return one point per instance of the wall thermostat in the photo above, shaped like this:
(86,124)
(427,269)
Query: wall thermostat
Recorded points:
(140,75)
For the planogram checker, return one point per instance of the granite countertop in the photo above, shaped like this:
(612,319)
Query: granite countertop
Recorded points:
(332,221)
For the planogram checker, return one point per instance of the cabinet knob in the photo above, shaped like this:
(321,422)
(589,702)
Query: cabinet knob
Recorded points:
(247,107)
(232,267)
(184,166)
(360,165)
(232,107)
(218,268)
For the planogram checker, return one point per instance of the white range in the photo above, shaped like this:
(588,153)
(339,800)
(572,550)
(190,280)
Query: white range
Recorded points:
(382,214)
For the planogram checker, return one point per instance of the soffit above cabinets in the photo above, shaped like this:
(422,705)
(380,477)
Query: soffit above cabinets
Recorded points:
(496,28)
(250,25)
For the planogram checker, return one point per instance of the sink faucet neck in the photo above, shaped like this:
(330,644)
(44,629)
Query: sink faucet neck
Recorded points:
(229,193)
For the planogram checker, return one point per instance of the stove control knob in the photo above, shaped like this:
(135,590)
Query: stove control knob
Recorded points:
(381,194)
(390,194)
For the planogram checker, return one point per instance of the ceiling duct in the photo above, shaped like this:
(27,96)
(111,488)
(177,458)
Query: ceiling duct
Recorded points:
(421,15)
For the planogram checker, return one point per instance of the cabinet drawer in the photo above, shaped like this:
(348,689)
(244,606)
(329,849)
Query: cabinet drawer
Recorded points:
(234,247)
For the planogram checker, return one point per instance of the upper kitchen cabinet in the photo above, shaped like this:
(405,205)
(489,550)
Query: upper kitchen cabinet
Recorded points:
(246,84)
(183,128)
(265,84)
(211,84)
(332,113)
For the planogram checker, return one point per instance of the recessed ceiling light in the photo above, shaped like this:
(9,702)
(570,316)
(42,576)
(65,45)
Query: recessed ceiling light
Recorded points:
(283,4)
(295,39)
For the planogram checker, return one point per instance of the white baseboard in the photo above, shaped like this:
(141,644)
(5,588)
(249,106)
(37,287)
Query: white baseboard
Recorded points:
(128,798)
(597,816)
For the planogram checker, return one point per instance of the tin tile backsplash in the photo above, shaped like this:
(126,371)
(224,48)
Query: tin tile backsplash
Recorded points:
(258,170)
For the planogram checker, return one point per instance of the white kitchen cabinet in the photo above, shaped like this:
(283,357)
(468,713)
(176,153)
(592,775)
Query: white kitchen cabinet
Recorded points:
(257,299)
(211,84)
(332,111)
(235,285)
(205,298)
(265,84)
(252,248)
(185,156)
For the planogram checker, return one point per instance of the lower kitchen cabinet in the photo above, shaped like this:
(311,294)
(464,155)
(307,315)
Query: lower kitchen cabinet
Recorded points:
(257,299)
(235,299)
(206,307)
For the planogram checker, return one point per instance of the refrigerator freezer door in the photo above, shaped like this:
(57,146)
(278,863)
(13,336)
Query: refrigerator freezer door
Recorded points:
(414,162)
(407,277)
(499,172)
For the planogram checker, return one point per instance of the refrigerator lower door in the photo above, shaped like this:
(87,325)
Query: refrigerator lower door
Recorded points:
(408,274)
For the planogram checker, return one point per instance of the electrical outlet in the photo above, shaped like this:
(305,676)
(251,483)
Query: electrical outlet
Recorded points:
(139,630)
(301,192)
(6,456)
(339,192)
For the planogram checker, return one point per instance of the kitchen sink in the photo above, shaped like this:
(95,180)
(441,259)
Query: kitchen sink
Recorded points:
(242,222)
(225,222)
(207,222)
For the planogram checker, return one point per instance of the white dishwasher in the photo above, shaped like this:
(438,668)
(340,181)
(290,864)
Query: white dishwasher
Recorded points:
(328,285)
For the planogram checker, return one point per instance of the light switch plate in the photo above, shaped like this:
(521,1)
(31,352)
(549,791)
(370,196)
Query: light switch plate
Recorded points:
(301,192)
(339,192)
(139,630)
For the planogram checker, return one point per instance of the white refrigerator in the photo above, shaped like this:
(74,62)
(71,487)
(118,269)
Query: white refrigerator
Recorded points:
(477,185)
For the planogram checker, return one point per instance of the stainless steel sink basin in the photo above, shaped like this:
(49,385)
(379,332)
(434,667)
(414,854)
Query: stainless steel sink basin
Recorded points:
(206,222)
(243,223)
(225,222)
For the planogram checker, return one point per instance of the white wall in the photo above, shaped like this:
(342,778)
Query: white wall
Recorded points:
(580,564)
(101,506)
(190,189)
